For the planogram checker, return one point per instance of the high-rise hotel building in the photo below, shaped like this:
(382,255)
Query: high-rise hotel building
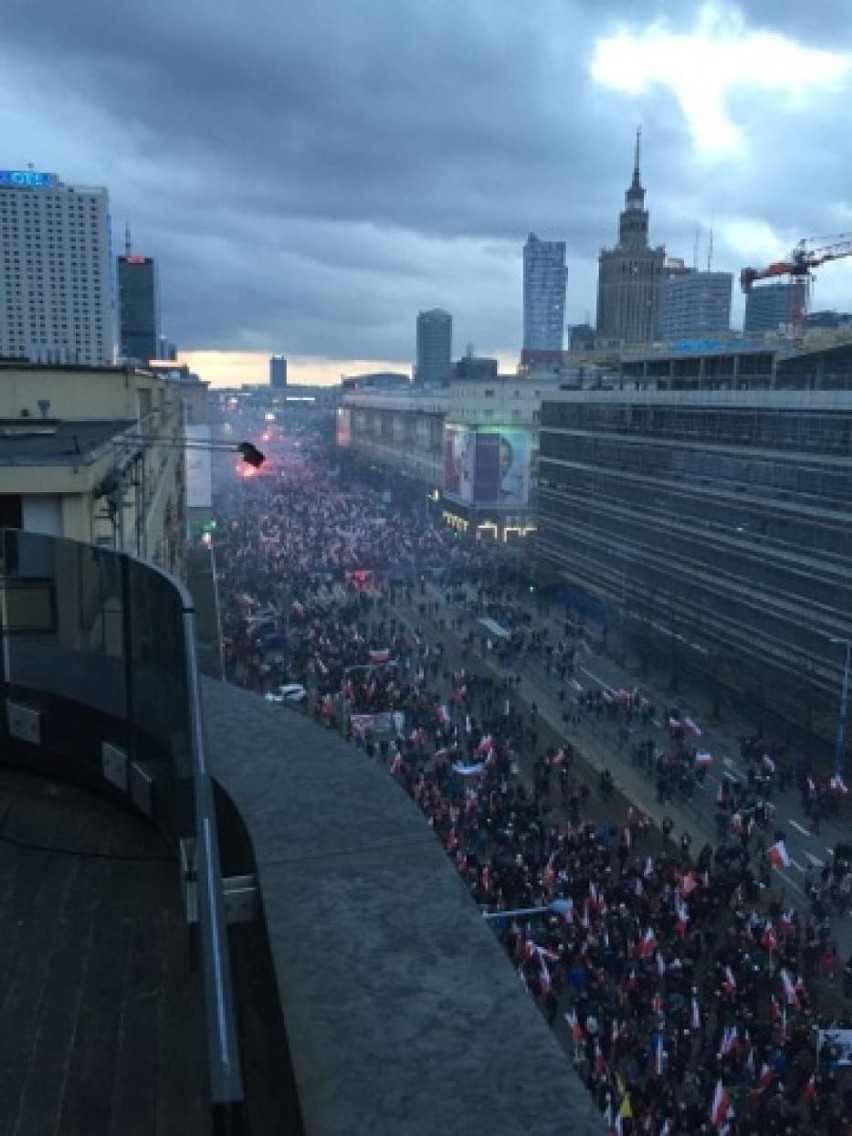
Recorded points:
(56,295)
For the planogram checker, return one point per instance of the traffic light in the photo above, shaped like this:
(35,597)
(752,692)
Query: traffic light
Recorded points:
(251,454)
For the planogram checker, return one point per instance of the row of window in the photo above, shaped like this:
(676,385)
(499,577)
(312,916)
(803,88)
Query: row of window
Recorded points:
(831,487)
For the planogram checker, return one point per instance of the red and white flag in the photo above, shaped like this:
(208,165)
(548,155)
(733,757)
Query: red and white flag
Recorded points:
(729,983)
(721,1109)
(648,944)
(778,856)
(789,989)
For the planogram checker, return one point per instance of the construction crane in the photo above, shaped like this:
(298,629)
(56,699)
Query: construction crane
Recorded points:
(807,255)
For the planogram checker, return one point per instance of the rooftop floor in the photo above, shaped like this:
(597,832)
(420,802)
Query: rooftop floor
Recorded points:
(100,1015)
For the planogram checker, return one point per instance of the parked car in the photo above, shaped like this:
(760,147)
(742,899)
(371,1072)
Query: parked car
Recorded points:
(290,692)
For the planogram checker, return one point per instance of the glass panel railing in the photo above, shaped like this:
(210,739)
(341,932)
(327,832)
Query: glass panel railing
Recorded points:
(63,618)
(108,643)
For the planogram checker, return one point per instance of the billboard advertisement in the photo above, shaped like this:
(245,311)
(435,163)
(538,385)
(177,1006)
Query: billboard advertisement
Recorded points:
(459,445)
(199,472)
(488,466)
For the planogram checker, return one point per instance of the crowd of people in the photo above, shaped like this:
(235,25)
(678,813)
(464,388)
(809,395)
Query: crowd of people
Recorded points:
(687,996)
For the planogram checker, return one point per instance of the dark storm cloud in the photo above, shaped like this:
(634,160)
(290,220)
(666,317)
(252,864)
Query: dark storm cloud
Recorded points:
(310,175)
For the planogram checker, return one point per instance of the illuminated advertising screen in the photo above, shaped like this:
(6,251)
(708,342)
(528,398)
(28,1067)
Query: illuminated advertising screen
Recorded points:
(502,467)
(459,450)
(488,466)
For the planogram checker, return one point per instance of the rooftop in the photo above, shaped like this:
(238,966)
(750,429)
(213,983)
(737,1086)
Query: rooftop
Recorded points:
(99,1012)
(49,441)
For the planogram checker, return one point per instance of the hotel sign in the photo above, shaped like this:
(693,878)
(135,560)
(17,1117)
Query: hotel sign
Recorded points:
(30,178)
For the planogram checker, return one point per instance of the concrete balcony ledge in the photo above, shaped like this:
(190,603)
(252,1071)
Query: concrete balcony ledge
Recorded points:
(403,1014)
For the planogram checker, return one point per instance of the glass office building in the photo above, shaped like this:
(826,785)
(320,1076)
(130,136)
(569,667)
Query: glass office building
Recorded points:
(712,526)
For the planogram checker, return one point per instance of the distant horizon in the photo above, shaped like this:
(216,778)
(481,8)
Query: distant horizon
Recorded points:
(251,368)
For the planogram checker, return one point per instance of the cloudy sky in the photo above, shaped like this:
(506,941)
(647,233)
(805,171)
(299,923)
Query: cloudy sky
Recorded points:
(311,173)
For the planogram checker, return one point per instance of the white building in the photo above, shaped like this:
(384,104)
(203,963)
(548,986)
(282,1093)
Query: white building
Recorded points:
(545,276)
(56,295)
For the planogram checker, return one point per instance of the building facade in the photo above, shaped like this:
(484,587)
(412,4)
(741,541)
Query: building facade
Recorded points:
(545,278)
(118,480)
(630,275)
(138,308)
(695,304)
(772,306)
(278,372)
(55,271)
(713,528)
(434,347)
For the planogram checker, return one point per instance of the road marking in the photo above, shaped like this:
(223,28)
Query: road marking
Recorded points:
(815,860)
(799,828)
(729,763)
(796,864)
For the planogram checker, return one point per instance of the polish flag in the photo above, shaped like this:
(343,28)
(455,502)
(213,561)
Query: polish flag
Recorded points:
(382,656)
(789,989)
(689,884)
(778,856)
(682,924)
(576,1029)
(721,1109)
(703,759)
(728,1042)
(770,942)
(443,713)
(648,944)
(485,745)
(729,983)
(809,1093)
(838,785)
(766,1077)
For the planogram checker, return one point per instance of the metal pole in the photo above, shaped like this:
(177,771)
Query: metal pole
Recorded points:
(840,750)
(521,912)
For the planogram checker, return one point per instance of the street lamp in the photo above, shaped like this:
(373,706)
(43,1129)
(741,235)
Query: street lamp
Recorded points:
(840,749)
(558,907)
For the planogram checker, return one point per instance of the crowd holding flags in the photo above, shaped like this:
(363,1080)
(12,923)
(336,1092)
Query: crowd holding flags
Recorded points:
(629,944)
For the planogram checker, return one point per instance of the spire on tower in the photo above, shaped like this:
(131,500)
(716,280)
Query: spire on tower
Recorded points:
(637,156)
(128,247)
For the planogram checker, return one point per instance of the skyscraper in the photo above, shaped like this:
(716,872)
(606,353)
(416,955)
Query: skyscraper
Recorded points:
(278,372)
(434,347)
(770,306)
(695,304)
(631,274)
(138,307)
(545,277)
(55,270)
